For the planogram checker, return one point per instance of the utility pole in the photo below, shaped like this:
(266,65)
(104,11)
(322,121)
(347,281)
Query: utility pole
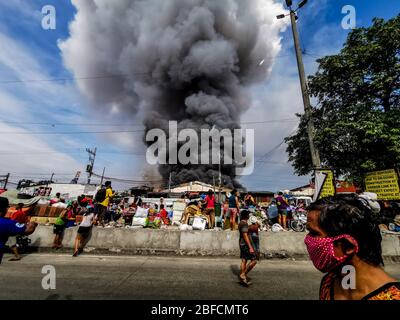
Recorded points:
(219,178)
(102,176)
(214,185)
(316,161)
(6,181)
(169,183)
(89,168)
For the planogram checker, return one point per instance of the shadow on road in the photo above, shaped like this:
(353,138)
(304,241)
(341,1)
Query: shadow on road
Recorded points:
(235,270)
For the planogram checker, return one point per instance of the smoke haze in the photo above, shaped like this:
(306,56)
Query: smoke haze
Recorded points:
(191,61)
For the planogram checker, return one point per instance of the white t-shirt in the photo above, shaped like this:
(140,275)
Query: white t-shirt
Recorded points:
(87,220)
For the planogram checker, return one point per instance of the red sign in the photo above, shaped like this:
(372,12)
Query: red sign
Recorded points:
(345,187)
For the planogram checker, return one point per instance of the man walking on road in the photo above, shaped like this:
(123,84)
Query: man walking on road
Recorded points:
(247,250)
(9,228)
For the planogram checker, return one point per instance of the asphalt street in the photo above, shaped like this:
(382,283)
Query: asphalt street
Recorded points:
(155,277)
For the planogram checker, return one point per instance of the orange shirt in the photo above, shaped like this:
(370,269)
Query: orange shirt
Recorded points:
(19,216)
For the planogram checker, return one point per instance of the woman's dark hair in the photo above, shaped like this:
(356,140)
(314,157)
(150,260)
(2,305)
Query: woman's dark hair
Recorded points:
(210,192)
(234,192)
(161,206)
(4,204)
(244,214)
(349,214)
(89,211)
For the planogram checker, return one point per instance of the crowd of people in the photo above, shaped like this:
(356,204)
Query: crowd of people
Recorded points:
(342,230)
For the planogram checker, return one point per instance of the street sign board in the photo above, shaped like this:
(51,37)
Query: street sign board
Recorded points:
(324,184)
(384,183)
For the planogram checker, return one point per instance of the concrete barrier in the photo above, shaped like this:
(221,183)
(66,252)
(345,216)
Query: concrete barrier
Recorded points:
(208,242)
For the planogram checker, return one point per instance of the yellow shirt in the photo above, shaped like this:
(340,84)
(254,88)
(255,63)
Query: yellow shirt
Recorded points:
(109,194)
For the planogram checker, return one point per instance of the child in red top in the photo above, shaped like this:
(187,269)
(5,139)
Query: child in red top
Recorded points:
(164,215)
(19,216)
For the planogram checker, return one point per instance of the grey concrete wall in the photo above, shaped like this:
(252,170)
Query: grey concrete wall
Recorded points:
(189,242)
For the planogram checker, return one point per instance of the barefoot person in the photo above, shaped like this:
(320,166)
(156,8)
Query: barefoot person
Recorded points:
(84,231)
(247,250)
(9,228)
(343,232)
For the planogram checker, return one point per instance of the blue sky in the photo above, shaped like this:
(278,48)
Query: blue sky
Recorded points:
(30,108)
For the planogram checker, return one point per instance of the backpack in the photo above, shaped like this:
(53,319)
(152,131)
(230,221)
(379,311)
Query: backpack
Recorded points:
(101,195)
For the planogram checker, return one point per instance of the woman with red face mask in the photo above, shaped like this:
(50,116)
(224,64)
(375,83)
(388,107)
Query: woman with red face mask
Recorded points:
(344,240)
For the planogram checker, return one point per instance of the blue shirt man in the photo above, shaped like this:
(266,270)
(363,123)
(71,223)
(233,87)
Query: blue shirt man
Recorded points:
(9,228)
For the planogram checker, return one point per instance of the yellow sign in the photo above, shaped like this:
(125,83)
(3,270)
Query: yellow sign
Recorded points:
(328,189)
(384,183)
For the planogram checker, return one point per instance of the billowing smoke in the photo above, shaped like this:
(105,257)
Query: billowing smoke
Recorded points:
(185,60)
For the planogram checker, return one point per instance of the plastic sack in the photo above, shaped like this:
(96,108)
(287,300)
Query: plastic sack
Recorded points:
(199,223)
(371,199)
(253,220)
(43,201)
(277,228)
(272,212)
(60,205)
(141,212)
(140,221)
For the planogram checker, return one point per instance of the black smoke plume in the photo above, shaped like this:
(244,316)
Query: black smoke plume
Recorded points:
(186,60)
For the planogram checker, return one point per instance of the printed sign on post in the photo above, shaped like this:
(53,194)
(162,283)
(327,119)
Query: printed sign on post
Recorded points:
(324,184)
(384,183)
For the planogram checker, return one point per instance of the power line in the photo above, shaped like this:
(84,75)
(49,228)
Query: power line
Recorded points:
(123,131)
(71,78)
(73,132)
(97,77)
(129,124)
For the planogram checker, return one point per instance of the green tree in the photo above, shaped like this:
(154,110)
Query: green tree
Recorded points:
(357,117)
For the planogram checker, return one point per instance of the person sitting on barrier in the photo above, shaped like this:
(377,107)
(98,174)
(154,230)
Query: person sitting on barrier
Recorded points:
(344,241)
(163,214)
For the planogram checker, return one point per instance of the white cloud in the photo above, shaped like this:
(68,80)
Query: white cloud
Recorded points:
(22,7)
(27,153)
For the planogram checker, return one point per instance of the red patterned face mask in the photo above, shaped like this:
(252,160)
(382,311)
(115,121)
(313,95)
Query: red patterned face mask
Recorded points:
(322,253)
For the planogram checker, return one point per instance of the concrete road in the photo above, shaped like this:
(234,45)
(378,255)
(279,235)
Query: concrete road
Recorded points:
(152,277)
